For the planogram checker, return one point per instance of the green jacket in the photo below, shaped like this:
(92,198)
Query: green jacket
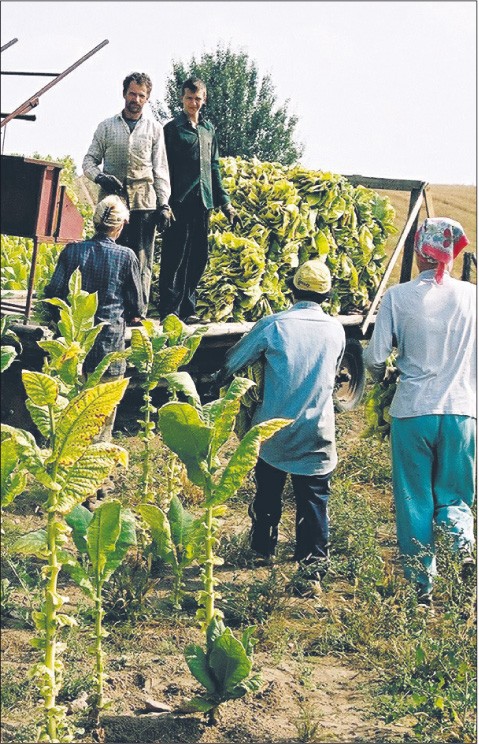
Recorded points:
(193,158)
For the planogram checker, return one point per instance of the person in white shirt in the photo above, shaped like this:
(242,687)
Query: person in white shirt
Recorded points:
(431,321)
(135,166)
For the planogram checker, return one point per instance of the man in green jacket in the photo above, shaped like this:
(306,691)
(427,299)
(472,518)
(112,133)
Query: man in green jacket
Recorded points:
(196,188)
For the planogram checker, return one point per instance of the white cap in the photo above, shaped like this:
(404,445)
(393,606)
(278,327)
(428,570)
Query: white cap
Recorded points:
(111,212)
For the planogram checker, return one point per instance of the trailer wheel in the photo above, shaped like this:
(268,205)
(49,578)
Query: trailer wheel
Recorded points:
(351,379)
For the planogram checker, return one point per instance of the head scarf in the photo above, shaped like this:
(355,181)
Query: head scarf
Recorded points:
(440,239)
(110,212)
(313,276)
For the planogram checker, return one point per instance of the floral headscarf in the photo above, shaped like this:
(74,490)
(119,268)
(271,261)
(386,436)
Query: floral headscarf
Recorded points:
(441,240)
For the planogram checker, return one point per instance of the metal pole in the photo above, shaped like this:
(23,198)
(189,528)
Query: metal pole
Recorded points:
(8,44)
(33,100)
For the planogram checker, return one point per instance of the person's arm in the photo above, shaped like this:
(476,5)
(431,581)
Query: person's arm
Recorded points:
(161,173)
(58,285)
(220,196)
(246,351)
(135,304)
(95,154)
(382,341)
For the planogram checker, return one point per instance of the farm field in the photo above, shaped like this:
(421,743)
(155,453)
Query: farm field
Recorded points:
(360,663)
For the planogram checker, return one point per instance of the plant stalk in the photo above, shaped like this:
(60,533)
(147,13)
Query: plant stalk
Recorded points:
(51,624)
(209,580)
(98,650)
(146,452)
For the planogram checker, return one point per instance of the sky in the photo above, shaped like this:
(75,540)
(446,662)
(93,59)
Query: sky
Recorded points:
(383,88)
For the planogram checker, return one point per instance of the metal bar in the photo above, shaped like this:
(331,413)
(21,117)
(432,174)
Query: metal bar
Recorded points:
(390,184)
(408,255)
(31,74)
(402,239)
(31,280)
(429,203)
(27,105)
(8,44)
(25,117)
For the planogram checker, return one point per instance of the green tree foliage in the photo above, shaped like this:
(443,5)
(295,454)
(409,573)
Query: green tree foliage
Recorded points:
(240,104)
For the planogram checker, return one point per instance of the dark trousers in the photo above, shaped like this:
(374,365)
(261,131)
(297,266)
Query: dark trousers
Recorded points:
(139,235)
(312,522)
(184,253)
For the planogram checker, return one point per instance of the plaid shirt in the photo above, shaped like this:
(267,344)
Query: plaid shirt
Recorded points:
(138,159)
(113,271)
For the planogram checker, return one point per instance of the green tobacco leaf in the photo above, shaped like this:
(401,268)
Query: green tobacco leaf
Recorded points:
(182,382)
(90,337)
(95,376)
(181,523)
(40,417)
(248,641)
(8,354)
(243,459)
(79,520)
(141,349)
(86,475)
(33,543)
(126,540)
(175,329)
(41,389)
(199,705)
(80,577)
(166,361)
(160,532)
(102,535)
(184,432)
(199,668)
(29,455)
(83,419)
(224,415)
(9,461)
(229,661)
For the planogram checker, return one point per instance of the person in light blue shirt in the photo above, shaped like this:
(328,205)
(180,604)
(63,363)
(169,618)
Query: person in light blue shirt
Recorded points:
(302,349)
(431,320)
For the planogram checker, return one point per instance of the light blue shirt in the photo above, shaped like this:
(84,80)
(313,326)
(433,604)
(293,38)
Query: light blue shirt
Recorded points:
(302,348)
(433,327)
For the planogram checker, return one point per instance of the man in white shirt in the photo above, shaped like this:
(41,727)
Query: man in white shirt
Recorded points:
(431,320)
(135,166)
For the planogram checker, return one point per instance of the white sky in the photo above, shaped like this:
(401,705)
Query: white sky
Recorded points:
(380,88)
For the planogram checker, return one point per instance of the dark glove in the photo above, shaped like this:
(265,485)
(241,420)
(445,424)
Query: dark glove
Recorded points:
(232,215)
(110,184)
(164,217)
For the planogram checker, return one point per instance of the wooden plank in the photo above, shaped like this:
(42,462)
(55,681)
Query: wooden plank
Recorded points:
(407,261)
(392,261)
(388,184)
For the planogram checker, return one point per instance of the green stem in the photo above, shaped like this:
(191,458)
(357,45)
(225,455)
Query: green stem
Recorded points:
(51,623)
(98,650)
(51,599)
(146,451)
(208,578)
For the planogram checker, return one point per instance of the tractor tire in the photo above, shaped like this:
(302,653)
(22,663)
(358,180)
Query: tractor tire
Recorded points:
(351,378)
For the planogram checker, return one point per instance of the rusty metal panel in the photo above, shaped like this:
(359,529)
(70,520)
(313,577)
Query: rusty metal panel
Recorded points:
(32,201)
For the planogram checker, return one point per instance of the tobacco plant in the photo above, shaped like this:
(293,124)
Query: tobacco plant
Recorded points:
(103,540)
(175,540)
(157,353)
(71,469)
(77,334)
(197,435)
(10,345)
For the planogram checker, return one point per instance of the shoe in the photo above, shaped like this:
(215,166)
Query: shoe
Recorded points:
(468,565)
(262,559)
(424,600)
(306,588)
(192,320)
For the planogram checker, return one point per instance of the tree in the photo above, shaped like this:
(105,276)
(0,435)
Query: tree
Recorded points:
(240,105)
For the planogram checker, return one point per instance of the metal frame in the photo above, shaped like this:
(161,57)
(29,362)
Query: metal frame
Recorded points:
(418,194)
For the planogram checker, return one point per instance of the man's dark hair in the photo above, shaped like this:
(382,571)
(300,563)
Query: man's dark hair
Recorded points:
(140,78)
(194,84)
(301,295)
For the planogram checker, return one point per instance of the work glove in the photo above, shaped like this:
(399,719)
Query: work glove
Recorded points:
(110,184)
(231,215)
(164,217)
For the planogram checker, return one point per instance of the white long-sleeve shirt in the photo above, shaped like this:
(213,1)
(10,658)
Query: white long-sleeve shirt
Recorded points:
(433,327)
(138,159)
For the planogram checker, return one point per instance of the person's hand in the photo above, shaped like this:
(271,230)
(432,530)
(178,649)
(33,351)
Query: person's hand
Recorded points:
(164,217)
(231,215)
(110,184)
(135,322)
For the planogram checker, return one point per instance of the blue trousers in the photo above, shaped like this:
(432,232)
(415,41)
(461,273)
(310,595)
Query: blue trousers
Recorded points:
(312,521)
(433,465)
